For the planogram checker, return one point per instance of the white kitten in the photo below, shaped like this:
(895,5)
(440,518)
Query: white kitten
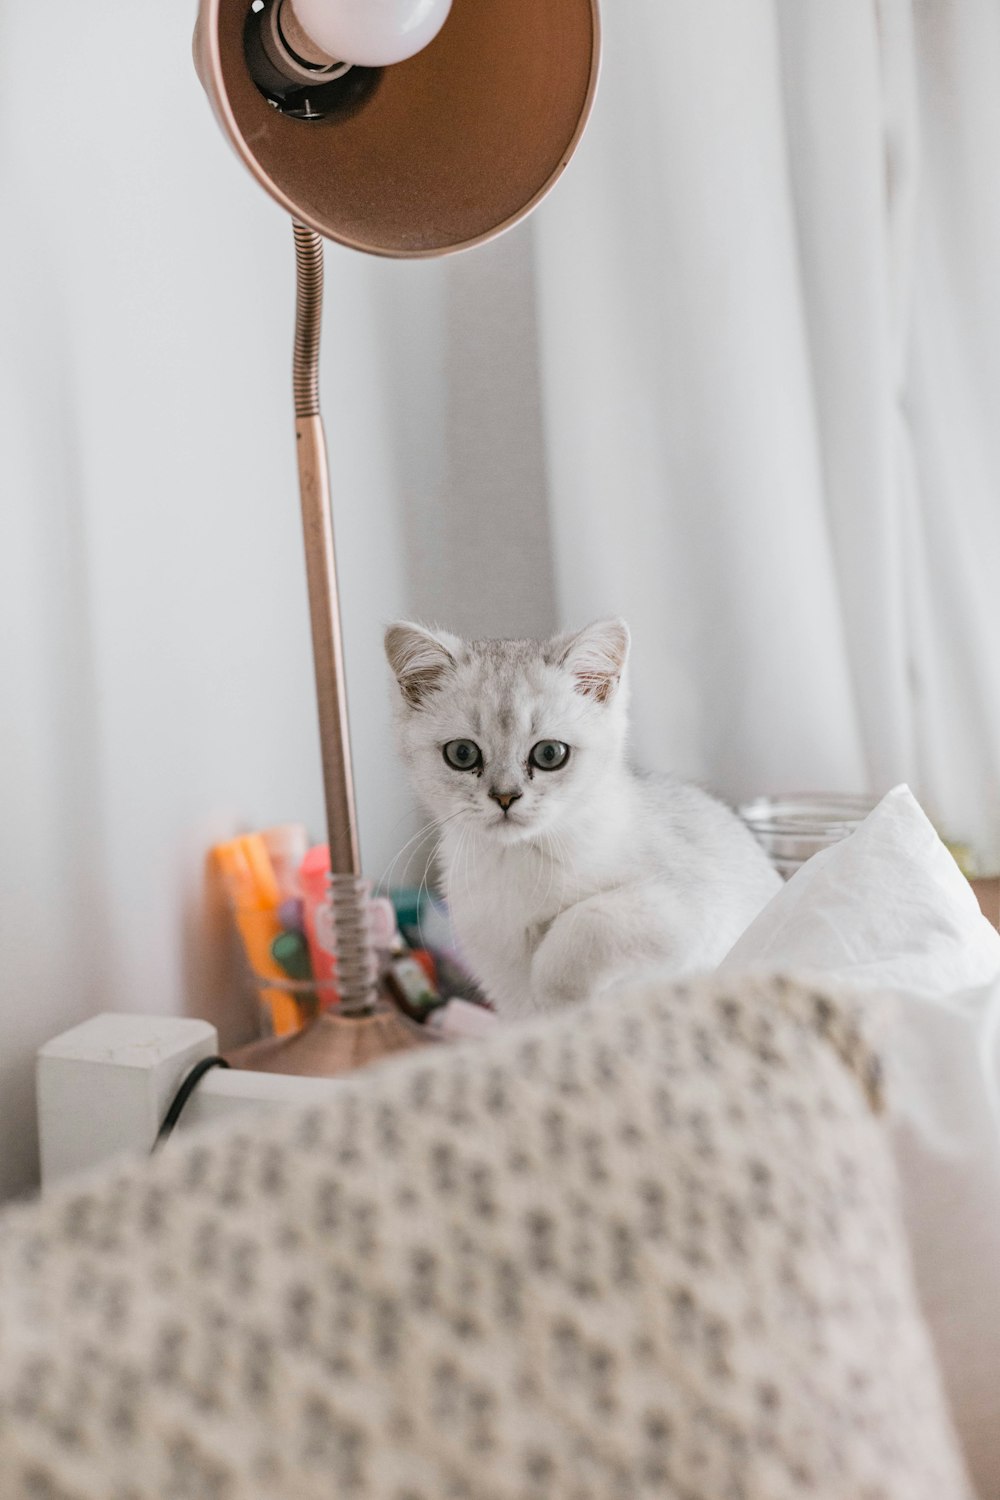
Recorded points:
(564,870)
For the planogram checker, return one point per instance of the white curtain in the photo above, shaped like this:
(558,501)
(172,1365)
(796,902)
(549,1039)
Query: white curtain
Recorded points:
(769,298)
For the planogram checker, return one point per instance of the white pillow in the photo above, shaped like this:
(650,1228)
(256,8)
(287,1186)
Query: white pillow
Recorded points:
(888,910)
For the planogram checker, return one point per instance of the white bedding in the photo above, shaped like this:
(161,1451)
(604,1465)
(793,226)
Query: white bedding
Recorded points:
(888,912)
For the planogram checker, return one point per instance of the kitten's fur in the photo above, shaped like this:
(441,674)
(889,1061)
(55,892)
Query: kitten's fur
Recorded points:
(595,872)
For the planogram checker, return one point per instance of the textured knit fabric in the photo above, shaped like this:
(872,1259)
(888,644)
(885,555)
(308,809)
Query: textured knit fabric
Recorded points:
(641,1248)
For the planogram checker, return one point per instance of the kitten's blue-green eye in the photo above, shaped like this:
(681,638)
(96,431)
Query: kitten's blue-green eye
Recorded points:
(549,755)
(463,755)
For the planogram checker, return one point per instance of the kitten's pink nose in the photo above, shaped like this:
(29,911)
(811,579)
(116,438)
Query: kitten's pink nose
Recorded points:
(504,798)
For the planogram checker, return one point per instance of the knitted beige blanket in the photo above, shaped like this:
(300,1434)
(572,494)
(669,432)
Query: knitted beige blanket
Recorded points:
(642,1248)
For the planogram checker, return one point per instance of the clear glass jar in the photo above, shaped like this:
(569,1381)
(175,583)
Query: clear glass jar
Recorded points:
(792,828)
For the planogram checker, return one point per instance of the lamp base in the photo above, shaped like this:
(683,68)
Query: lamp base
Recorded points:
(333,1044)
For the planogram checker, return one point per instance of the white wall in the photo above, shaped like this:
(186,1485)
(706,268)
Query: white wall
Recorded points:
(156,678)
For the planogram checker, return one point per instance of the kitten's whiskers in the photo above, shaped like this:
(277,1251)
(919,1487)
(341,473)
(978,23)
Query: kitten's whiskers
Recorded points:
(384,882)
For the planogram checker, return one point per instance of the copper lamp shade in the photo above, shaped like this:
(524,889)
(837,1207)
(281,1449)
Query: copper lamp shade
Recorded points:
(442,151)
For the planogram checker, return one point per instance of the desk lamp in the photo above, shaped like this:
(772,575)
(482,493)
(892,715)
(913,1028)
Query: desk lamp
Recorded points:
(406,128)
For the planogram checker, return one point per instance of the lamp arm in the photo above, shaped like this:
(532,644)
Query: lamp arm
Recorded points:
(356,963)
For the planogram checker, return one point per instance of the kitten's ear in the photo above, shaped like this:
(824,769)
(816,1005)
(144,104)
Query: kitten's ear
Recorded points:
(419,658)
(596,656)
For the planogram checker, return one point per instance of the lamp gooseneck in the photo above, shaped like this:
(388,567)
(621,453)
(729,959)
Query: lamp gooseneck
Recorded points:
(308,319)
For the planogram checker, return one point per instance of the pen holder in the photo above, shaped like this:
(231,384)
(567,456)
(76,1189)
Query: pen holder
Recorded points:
(285,1004)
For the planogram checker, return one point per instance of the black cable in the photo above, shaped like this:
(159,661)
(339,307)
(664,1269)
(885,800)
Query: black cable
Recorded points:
(183,1094)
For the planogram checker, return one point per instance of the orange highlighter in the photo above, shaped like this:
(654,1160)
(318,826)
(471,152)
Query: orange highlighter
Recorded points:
(248,876)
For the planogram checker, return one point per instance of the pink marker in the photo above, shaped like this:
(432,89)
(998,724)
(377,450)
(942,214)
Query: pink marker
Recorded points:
(313,876)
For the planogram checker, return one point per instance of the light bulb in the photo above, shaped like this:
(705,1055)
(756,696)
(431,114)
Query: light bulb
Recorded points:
(372,33)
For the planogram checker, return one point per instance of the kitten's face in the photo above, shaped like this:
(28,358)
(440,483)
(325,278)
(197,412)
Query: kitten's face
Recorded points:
(510,737)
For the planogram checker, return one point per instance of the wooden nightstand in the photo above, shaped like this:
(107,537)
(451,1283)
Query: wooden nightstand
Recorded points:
(988,895)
